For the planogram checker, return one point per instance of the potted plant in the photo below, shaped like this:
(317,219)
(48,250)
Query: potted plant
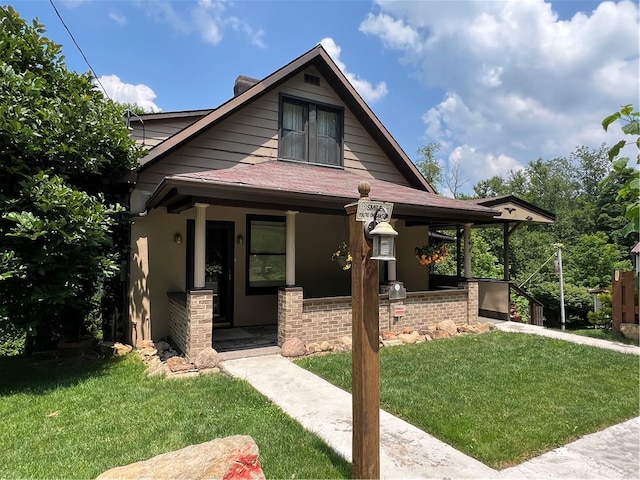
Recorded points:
(429,254)
(342,256)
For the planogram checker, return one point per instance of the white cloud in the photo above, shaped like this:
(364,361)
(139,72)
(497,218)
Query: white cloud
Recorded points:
(523,83)
(117,17)
(207,18)
(365,88)
(119,91)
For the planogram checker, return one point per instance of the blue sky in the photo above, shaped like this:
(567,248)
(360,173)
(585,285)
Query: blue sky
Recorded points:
(496,83)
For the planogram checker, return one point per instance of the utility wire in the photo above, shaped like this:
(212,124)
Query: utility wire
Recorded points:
(79,49)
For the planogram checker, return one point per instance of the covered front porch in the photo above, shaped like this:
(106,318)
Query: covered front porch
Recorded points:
(312,302)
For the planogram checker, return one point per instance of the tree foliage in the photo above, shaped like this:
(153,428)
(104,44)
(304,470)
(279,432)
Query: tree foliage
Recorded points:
(629,193)
(62,146)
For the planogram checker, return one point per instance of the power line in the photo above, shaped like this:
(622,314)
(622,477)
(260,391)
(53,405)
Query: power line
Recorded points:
(79,49)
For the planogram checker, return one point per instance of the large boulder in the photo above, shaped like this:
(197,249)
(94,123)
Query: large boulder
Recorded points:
(630,330)
(448,326)
(293,348)
(222,458)
(207,358)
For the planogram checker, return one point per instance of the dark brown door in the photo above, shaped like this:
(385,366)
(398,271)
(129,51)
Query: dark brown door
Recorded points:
(218,268)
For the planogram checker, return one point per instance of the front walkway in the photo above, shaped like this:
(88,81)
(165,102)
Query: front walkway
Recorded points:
(407,452)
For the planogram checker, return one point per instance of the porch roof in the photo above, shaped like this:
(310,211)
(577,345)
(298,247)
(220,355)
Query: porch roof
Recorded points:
(277,184)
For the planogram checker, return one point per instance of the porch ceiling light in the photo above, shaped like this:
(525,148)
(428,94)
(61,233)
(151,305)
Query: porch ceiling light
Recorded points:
(384,242)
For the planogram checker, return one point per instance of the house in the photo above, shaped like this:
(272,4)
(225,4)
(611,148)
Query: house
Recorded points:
(238,209)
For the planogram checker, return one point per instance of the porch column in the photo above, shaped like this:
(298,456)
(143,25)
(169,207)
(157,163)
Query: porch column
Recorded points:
(392,265)
(290,257)
(467,250)
(199,245)
(505,251)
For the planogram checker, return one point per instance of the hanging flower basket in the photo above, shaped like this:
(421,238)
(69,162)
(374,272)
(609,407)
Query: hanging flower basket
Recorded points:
(430,254)
(342,256)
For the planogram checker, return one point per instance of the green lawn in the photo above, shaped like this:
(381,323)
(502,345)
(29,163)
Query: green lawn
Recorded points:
(601,334)
(76,421)
(500,397)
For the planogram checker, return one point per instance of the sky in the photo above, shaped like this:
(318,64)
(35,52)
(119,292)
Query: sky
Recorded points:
(496,84)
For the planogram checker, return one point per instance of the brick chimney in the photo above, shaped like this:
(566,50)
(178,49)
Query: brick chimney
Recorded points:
(242,84)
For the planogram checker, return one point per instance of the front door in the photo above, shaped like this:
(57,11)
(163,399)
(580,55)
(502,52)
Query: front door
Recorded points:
(218,268)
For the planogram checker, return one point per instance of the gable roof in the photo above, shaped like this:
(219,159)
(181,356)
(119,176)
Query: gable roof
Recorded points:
(281,184)
(320,59)
(514,209)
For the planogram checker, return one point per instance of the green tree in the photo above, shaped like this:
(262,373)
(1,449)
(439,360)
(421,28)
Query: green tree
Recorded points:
(62,146)
(591,260)
(429,166)
(629,194)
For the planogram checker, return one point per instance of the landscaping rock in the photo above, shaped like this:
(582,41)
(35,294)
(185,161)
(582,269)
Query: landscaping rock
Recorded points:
(467,329)
(346,341)
(409,338)
(293,348)
(630,330)
(312,348)
(439,334)
(145,344)
(448,326)
(207,358)
(147,351)
(325,346)
(121,349)
(391,343)
(485,327)
(222,458)
(388,335)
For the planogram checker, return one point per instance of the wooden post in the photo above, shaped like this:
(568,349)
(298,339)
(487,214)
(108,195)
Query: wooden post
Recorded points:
(365,370)
(622,301)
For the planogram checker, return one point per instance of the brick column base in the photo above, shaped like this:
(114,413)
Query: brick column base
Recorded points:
(472,300)
(289,313)
(200,321)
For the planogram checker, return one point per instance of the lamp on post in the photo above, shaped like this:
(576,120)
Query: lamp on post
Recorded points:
(384,242)
(371,238)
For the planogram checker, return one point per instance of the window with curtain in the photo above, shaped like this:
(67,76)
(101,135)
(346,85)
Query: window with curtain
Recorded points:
(266,253)
(310,132)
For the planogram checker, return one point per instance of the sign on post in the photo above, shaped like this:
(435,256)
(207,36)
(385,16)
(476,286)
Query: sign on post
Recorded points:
(368,209)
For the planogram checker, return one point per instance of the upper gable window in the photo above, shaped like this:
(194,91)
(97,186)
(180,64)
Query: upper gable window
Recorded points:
(310,132)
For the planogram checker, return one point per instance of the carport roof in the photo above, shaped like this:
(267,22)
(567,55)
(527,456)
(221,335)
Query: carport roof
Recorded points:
(277,184)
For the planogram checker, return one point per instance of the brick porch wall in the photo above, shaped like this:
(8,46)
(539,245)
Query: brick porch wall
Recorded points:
(320,319)
(191,321)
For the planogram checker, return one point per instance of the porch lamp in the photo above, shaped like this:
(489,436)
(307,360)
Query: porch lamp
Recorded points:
(384,242)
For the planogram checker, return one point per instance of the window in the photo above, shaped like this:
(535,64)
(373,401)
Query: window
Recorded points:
(266,254)
(310,132)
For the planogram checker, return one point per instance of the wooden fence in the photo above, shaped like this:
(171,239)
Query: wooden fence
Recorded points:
(625,308)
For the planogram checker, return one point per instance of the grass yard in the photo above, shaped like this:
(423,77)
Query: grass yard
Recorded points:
(76,421)
(500,397)
(601,334)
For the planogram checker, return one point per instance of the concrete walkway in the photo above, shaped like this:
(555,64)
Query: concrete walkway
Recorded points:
(407,452)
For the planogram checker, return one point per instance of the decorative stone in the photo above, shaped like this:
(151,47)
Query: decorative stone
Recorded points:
(176,361)
(448,326)
(630,330)
(406,330)
(388,335)
(312,348)
(391,343)
(222,458)
(207,358)
(148,351)
(184,367)
(409,338)
(346,341)
(121,349)
(145,344)
(293,348)
(467,329)
(325,346)
(440,334)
